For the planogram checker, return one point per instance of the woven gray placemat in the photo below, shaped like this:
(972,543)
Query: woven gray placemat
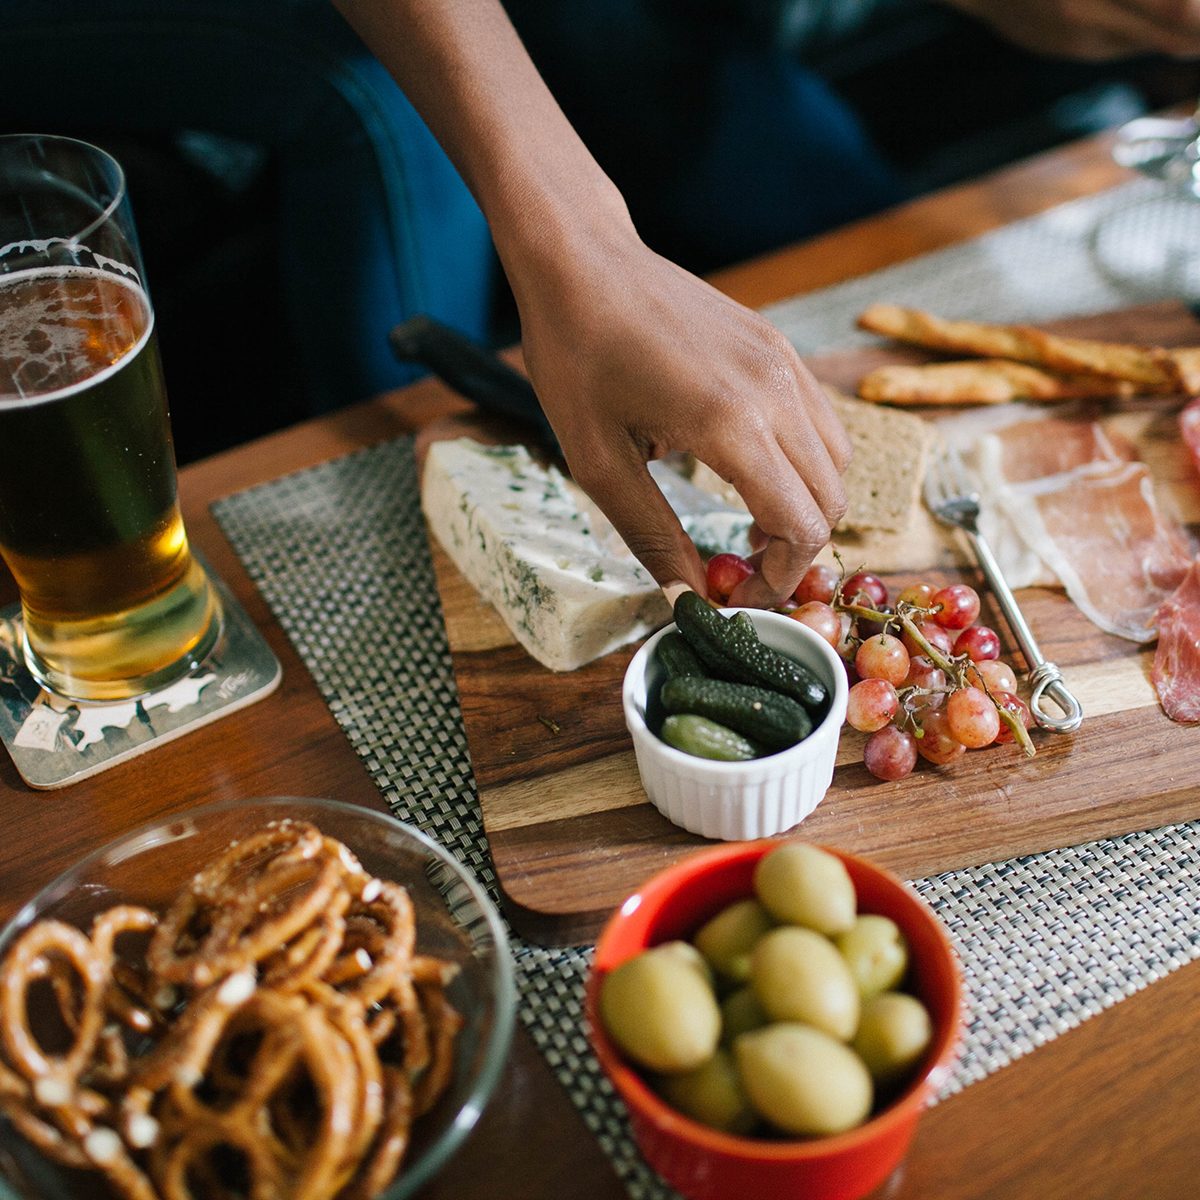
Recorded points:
(1136,243)
(340,554)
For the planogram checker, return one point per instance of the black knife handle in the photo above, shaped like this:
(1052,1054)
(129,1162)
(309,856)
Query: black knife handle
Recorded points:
(470,370)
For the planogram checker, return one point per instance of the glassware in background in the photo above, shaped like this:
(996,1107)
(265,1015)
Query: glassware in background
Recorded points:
(1166,148)
(1151,247)
(114,604)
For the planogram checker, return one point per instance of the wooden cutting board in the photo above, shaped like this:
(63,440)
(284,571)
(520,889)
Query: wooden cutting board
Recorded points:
(572,833)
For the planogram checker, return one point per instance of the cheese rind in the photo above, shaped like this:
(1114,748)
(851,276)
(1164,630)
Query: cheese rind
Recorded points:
(516,532)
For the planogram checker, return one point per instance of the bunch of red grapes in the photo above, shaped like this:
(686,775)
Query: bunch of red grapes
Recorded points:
(926,680)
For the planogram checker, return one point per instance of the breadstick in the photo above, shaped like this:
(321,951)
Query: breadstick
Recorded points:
(1152,369)
(992,381)
(1187,366)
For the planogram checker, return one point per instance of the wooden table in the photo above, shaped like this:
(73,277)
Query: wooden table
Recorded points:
(1108,1110)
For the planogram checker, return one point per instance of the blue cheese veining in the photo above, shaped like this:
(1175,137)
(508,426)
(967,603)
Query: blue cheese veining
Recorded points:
(515,530)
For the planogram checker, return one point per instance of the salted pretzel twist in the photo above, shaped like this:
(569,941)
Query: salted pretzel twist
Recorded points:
(276,1023)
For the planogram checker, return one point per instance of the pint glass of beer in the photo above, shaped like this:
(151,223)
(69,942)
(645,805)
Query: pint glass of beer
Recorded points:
(114,604)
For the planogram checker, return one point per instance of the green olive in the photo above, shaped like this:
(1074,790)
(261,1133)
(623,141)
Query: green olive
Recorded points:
(802,1080)
(659,1010)
(806,886)
(798,975)
(893,1034)
(711,1094)
(876,952)
(740,1012)
(727,939)
(690,957)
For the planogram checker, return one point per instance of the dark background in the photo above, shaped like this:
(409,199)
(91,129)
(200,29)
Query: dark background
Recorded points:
(942,99)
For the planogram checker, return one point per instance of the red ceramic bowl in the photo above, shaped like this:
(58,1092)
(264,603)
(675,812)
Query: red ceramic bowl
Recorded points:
(706,1164)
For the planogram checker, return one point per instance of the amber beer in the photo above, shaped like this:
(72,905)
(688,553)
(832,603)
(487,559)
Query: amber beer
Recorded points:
(114,603)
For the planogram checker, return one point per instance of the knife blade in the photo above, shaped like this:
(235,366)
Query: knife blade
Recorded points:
(474,372)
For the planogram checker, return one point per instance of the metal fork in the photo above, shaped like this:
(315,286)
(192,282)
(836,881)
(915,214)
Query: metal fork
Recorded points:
(952,497)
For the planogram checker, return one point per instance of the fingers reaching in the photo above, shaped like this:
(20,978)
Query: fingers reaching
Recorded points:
(629,497)
(791,523)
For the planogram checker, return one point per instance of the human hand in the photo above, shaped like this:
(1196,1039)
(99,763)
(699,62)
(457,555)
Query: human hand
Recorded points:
(630,355)
(1093,30)
(633,357)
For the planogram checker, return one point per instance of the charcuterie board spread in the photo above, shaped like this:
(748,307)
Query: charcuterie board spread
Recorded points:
(569,827)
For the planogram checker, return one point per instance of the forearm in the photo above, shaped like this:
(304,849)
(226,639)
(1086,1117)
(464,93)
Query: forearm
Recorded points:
(630,355)
(538,186)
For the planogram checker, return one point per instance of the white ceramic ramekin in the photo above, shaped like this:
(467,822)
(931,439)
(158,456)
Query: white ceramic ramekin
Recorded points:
(737,801)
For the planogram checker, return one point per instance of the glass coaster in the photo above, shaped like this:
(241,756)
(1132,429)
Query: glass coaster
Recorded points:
(54,741)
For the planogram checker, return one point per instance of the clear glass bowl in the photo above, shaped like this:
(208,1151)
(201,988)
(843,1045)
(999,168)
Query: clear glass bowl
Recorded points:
(455,920)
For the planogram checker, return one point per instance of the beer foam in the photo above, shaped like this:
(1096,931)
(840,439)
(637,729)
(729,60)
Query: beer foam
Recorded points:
(41,245)
(56,336)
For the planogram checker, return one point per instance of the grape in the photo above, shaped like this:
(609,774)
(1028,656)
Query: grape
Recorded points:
(938,745)
(724,573)
(868,628)
(978,643)
(934,634)
(919,595)
(890,753)
(846,647)
(992,675)
(958,604)
(819,583)
(923,674)
(1015,705)
(972,718)
(871,704)
(821,619)
(866,589)
(882,657)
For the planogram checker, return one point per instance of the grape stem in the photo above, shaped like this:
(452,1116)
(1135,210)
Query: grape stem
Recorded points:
(1019,732)
(953,667)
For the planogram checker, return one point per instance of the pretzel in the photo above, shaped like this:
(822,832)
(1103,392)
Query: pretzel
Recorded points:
(31,957)
(44,1134)
(194,1157)
(99,1149)
(58,1113)
(257,895)
(1150,369)
(350,1024)
(444,1023)
(311,953)
(125,986)
(383,927)
(281,1018)
(391,1139)
(295,1037)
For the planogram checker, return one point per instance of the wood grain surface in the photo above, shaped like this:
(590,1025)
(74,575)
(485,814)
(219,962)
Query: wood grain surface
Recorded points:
(572,833)
(531,1136)
(1105,1112)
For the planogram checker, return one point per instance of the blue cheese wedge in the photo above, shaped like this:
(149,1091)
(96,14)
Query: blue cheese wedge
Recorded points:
(527,545)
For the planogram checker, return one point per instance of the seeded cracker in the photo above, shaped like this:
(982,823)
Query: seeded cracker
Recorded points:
(884,478)
(883,481)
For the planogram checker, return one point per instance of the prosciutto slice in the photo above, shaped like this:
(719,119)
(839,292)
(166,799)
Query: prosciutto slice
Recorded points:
(1031,450)
(1087,509)
(1176,671)
(1022,450)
